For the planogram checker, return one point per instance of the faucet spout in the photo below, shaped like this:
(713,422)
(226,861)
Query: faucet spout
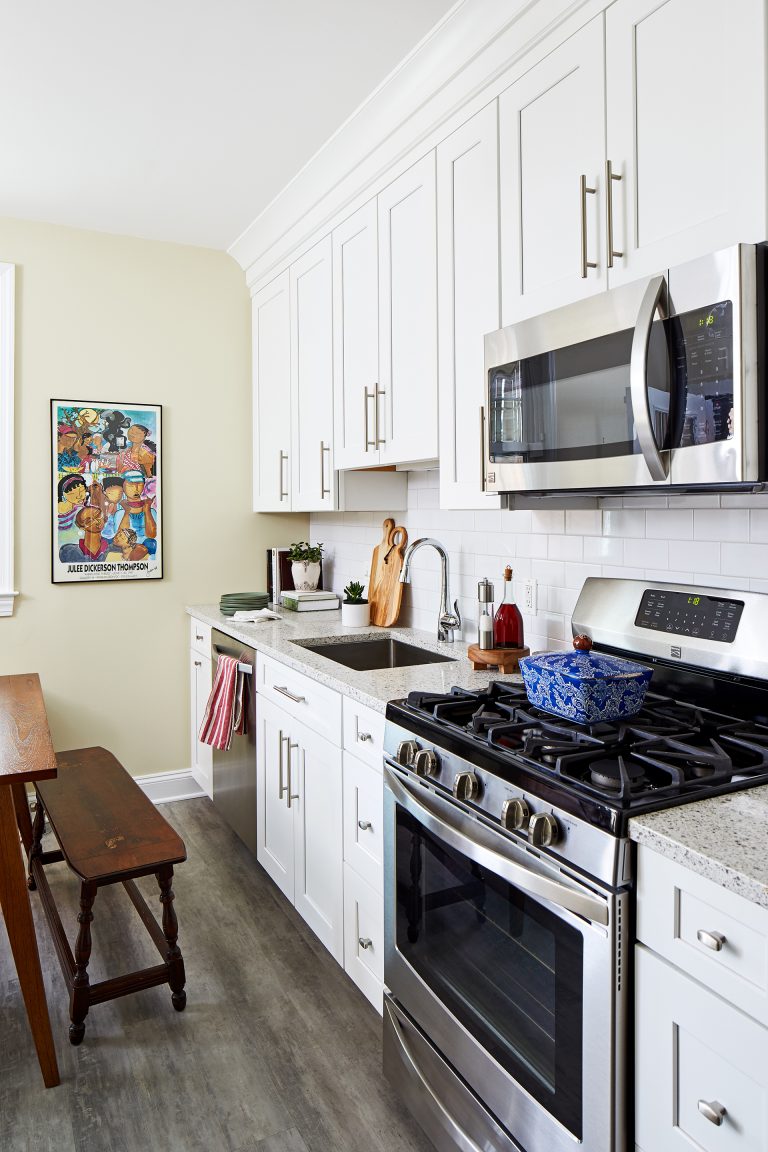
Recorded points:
(448,621)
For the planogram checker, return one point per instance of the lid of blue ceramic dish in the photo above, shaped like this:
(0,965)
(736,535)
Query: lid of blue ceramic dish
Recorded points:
(582,664)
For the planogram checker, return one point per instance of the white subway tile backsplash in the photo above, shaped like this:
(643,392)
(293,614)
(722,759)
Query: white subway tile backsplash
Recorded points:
(707,539)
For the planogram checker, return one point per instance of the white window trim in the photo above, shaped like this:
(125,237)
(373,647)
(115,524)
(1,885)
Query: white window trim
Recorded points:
(7,326)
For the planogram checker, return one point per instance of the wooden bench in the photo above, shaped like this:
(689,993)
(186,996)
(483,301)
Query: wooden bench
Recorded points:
(108,832)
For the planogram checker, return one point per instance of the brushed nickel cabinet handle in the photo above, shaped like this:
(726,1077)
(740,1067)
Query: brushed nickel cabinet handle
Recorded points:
(198,663)
(364,737)
(584,191)
(284,692)
(323,449)
(291,795)
(380,440)
(610,176)
(713,940)
(280,785)
(198,636)
(283,456)
(364,825)
(367,397)
(365,941)
(713,1111)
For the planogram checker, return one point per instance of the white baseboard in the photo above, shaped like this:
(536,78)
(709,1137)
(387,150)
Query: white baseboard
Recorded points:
(162,787)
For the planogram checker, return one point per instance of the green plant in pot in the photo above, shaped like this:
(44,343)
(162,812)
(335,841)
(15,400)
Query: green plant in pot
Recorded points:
(305,565)
(354,607)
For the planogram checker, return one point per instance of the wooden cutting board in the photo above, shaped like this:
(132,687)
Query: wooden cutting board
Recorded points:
(385,592)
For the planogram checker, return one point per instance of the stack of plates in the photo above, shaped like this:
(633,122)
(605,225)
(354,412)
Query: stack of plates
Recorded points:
(232,602)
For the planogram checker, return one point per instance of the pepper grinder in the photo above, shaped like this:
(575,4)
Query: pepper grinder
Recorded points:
(485,614)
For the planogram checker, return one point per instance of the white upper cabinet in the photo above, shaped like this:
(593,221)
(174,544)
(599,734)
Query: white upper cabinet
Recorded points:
(405,416)
(552,149)
(312,479)
(686,129)
(356,338)
(468,300)
(271,333)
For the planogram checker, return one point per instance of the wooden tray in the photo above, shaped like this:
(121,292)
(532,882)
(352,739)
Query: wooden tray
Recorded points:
(505,659)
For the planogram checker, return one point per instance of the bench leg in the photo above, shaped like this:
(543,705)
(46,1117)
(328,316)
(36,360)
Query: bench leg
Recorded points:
(173,958)
(37,835)
(80,998)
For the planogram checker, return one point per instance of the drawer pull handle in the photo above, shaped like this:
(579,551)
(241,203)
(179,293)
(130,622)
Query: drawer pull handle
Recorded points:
(198,636)
(198,663)
(366,942)
(713,940)
(284,692)
(364,825)
(713,1111)
(364,737)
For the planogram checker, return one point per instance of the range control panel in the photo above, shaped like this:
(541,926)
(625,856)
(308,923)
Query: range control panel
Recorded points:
(690,614)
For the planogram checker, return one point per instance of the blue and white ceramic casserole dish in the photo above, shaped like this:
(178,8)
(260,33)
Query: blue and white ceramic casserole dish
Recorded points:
(585,686)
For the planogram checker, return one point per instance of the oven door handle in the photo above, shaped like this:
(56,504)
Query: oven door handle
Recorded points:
(479,846)
(638,378)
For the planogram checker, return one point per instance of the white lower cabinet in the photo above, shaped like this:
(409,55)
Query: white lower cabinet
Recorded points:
(701,1059)
(299,822)
(364,936)
(200,681)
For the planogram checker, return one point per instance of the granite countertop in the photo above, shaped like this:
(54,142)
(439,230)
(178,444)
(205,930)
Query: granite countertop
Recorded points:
(283,639)
(723,838)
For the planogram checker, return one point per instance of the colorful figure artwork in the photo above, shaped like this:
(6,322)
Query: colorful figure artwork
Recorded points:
(106,492)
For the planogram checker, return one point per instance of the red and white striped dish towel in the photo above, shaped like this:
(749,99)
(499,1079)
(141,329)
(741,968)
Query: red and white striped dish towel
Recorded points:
(225,711)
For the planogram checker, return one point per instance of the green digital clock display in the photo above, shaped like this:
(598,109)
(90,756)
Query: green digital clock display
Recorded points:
(707,321)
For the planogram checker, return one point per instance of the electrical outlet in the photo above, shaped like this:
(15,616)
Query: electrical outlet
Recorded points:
(530,597)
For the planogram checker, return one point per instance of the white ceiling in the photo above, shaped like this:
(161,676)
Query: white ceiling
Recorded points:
(181,119)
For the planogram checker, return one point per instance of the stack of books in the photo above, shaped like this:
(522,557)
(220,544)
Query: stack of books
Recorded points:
(309,601)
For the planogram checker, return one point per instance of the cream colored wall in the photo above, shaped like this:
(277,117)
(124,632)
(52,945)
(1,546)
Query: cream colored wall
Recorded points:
(102,317)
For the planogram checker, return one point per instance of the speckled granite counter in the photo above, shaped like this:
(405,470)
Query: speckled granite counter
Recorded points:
(724,838)
(283,639)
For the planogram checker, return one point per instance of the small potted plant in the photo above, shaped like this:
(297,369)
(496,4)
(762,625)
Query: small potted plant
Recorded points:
(305,565)
(354,608)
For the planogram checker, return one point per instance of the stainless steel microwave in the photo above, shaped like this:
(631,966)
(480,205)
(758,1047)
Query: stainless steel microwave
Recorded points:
(658,384)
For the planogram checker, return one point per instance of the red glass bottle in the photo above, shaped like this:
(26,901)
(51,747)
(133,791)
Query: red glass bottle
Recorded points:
(508,623)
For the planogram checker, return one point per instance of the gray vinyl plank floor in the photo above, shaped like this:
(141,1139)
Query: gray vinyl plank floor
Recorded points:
(277,1050)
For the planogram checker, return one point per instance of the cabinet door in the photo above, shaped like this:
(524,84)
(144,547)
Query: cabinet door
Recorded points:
(356,338)
(551,134)
(468,301)
(274,828)
(316,804)
(407,400)
(694,1051)
(364,820)
(199,690)
(312,480)
(686,129)
(271,334)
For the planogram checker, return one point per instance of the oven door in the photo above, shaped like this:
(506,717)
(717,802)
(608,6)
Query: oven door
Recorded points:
(508,964)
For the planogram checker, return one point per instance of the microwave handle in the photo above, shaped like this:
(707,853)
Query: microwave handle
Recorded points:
(638,378)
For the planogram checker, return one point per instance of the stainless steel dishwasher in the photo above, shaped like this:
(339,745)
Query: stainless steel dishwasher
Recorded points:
(234,772)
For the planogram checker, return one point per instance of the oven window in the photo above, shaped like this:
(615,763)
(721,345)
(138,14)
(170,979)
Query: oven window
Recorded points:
(508,969)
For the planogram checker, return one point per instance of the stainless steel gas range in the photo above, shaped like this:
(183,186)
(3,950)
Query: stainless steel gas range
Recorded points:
(509,872)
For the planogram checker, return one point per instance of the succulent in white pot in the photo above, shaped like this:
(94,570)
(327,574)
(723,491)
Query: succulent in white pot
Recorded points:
(305,565)
(355,610)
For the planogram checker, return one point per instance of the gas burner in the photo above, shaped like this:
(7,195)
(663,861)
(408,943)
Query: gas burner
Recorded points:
(543,747)
(696,757)
(617,774)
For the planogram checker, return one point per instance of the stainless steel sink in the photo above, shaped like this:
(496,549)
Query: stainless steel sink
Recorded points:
(374,653)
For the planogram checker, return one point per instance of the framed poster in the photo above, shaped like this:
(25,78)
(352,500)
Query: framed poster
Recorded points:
(107,493)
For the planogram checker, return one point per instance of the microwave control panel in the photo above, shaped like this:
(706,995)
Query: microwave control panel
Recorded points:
(703,342)
(689,614)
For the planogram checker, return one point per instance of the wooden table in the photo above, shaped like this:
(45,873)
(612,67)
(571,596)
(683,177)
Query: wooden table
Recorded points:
(26,754)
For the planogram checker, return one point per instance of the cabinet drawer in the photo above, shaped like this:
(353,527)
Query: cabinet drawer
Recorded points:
(363,732)
(200,636)
(694,1050)
(713,935)
(363,820)
(364,936)
(313,704)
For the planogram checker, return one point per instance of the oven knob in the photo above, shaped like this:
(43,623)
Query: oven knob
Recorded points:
(406,752)
(515,815)
(543,830)
(466,786)
(425,763)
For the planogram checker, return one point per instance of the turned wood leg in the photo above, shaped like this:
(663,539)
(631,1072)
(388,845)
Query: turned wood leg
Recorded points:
(14,902)
(35,848)
(173,958)
(80,998)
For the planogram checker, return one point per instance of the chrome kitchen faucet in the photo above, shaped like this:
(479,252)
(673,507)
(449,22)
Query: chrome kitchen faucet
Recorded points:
(447,621)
